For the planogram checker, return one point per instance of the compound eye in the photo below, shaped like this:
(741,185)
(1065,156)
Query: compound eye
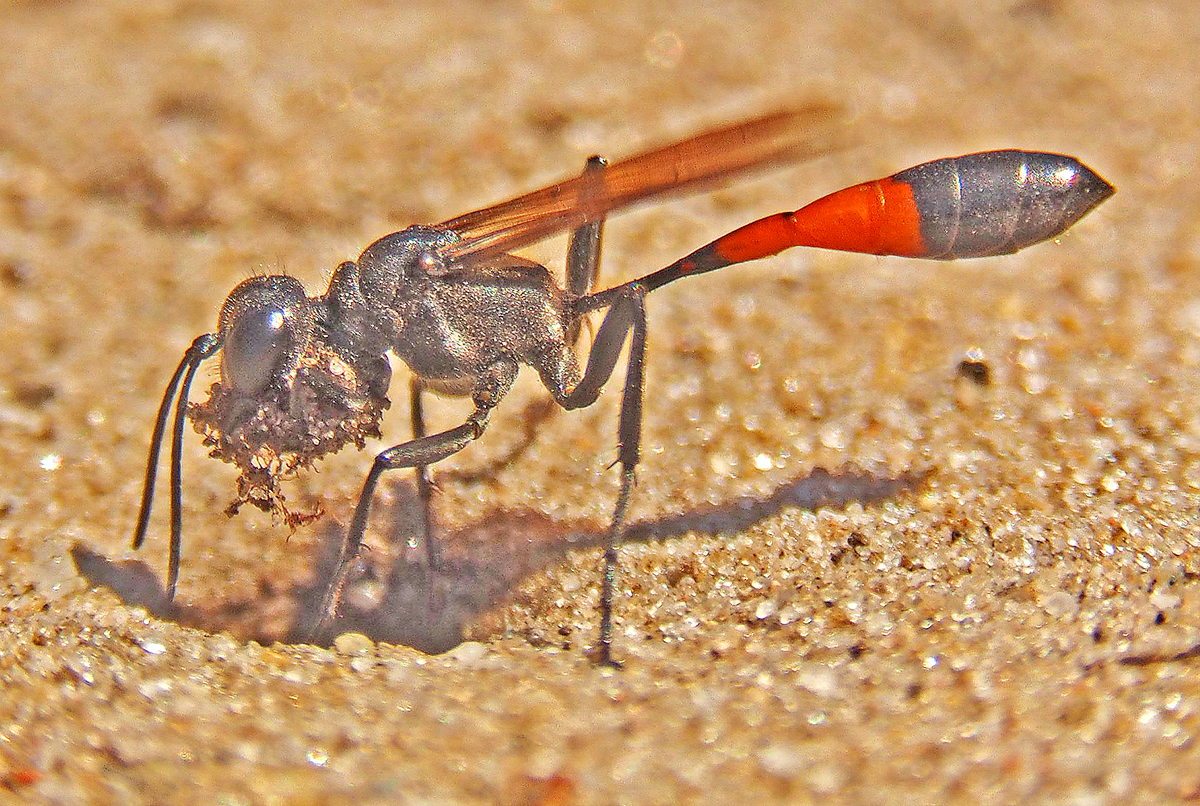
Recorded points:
(265,325)
(257,343)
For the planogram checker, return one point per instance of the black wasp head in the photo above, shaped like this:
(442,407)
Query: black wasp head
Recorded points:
(288,393)
(265,327)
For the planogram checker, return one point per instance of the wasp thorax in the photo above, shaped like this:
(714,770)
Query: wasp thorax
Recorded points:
(265,324)
(402,257)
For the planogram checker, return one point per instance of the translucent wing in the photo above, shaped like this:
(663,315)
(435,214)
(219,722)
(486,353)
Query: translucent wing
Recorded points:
(688,165)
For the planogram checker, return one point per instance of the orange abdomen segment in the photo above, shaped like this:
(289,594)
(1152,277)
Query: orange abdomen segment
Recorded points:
(977,205)
(878,217)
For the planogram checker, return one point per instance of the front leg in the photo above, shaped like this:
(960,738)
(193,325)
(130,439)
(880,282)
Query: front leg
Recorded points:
(419,452)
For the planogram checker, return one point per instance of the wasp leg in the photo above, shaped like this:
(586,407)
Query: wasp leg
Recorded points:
(627,315)
(424,487)
(583,248)
(419,452)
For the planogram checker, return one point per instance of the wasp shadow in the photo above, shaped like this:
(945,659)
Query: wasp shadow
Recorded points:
(397,598)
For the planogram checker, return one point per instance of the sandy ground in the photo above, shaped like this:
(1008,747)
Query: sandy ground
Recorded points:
(856,575)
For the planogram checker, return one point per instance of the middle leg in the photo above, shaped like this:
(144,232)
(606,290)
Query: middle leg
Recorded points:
(424,486)
(423,451)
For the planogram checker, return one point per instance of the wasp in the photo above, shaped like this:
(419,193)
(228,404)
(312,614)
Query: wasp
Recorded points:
(304,376)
